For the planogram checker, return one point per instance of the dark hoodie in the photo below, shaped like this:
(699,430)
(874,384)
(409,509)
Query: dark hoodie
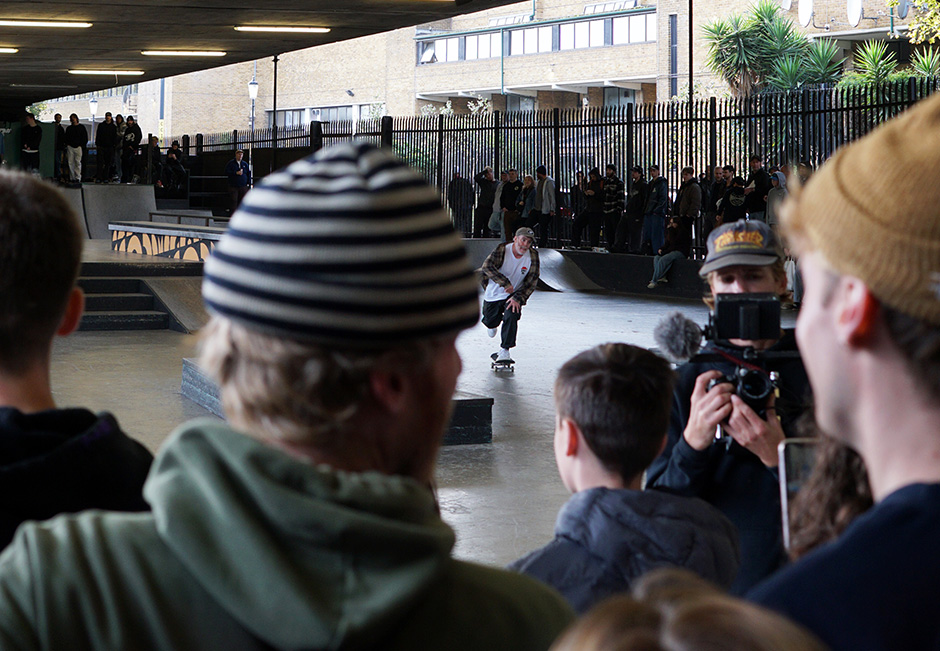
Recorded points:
(605,539)
(65,461)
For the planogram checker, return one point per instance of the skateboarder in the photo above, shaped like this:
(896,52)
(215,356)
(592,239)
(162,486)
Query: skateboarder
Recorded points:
(513,268)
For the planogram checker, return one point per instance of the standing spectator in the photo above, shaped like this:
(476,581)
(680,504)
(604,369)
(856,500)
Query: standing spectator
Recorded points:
(507,204)
(805,171)
(181,157)
(756,188)
(653,234)
(733,204)
(460,200)
(484,209)
(31,136)
(613,204)
(593,215)
(525,202)
(678,246)
(578,199)
(612,407)
(153,168)
(689,202)
(545,204)
(132,138)
(631,224)
(715,195)
(76,139)
(496,213)
(119,147)
(737,474)
(308,520)
(775,197)
(58,158)
(106,140)
(239,178)
(870,327)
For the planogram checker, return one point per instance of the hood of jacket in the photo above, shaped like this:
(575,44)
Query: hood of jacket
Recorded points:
(636,531)
(303,556)
(781,179)
(66,460)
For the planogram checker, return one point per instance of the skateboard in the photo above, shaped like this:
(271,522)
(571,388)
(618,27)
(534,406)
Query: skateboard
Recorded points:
(502,364)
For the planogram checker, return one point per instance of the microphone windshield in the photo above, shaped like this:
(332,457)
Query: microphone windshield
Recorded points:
(679,337)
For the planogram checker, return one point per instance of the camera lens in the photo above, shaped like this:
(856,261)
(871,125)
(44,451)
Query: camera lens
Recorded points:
(755,386)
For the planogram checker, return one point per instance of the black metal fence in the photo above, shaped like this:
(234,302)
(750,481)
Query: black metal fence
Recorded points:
(803,125)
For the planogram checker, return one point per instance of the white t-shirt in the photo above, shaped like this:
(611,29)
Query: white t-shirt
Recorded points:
(514,269)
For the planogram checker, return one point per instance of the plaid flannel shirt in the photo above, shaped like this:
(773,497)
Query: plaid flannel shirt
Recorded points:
(492,264)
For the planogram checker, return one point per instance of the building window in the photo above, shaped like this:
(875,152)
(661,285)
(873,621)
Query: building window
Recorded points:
(515,19)
(605,7)
(520,103)
(288,118)
(619,96)
(574,35)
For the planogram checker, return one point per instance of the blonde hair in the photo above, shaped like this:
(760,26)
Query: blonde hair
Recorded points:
(674,610)
(292,391)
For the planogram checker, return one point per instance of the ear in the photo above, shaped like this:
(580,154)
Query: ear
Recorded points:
(390,388)
(572,435)
(858,313)
(73,312)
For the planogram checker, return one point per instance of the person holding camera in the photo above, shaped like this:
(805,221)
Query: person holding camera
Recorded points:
(720,448)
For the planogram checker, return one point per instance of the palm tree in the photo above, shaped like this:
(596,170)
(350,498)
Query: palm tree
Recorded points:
(763,49)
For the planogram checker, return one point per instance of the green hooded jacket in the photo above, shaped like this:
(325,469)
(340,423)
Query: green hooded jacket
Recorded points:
(249,548)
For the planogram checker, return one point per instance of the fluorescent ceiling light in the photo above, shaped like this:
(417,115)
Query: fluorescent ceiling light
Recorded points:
(42,86)
(8,50)
(43,23)
(182,53)
(106,72)
(271,28)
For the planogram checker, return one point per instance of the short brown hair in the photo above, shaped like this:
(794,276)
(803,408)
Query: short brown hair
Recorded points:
(778,269)
(40,254)
(620,397)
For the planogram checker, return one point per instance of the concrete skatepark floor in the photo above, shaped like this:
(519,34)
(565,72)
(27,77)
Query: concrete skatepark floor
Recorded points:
(501,498)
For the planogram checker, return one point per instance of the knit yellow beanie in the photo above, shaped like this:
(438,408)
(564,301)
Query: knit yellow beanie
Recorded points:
(873,211)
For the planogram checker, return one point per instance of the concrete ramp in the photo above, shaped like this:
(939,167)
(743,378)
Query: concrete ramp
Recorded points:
(74,197)
(110,203)
(561,274)
(479,248)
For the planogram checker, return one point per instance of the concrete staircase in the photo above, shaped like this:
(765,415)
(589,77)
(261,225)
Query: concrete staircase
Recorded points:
(114,303)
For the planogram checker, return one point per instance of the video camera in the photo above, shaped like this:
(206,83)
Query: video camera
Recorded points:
(749,317)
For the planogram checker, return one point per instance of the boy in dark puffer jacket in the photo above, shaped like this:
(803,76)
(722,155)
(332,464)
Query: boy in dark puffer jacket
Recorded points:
(612,409)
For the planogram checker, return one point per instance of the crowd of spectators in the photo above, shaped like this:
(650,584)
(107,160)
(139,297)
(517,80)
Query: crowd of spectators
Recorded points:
(309,519)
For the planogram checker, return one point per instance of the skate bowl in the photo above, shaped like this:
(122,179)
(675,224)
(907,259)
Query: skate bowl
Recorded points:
(74,198)
(558,272)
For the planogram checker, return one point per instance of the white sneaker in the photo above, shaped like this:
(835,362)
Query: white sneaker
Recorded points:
(491,332)
(663,280)
(502,355)
(652,285)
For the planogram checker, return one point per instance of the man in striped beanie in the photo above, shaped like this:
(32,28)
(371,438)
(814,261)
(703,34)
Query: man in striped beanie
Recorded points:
(307,521)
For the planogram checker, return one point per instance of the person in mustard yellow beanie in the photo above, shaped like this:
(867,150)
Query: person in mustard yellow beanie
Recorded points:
(867,229)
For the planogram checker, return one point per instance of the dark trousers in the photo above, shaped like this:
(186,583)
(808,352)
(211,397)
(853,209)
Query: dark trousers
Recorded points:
(628,234)
(611,219)
(481,217)
(593,220)
(544,221)
(510,217)
(236,194)
(57,157)
(105,158)
(496,312)
(128,166)
(29,161)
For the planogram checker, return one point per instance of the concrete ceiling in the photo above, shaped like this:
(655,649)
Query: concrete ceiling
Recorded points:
(120,31)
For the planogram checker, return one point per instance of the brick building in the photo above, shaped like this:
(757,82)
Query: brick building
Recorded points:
(525,56)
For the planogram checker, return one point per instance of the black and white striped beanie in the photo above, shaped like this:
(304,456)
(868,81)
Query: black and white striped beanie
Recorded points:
(348,247)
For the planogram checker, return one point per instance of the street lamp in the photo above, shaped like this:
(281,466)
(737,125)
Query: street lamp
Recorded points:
(93,107)
(253,94)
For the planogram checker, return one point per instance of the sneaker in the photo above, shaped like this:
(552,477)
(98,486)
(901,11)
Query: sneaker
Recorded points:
(663,280)
(494,356)
(503,355)
(600,249)
(491,332)
(652,285)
